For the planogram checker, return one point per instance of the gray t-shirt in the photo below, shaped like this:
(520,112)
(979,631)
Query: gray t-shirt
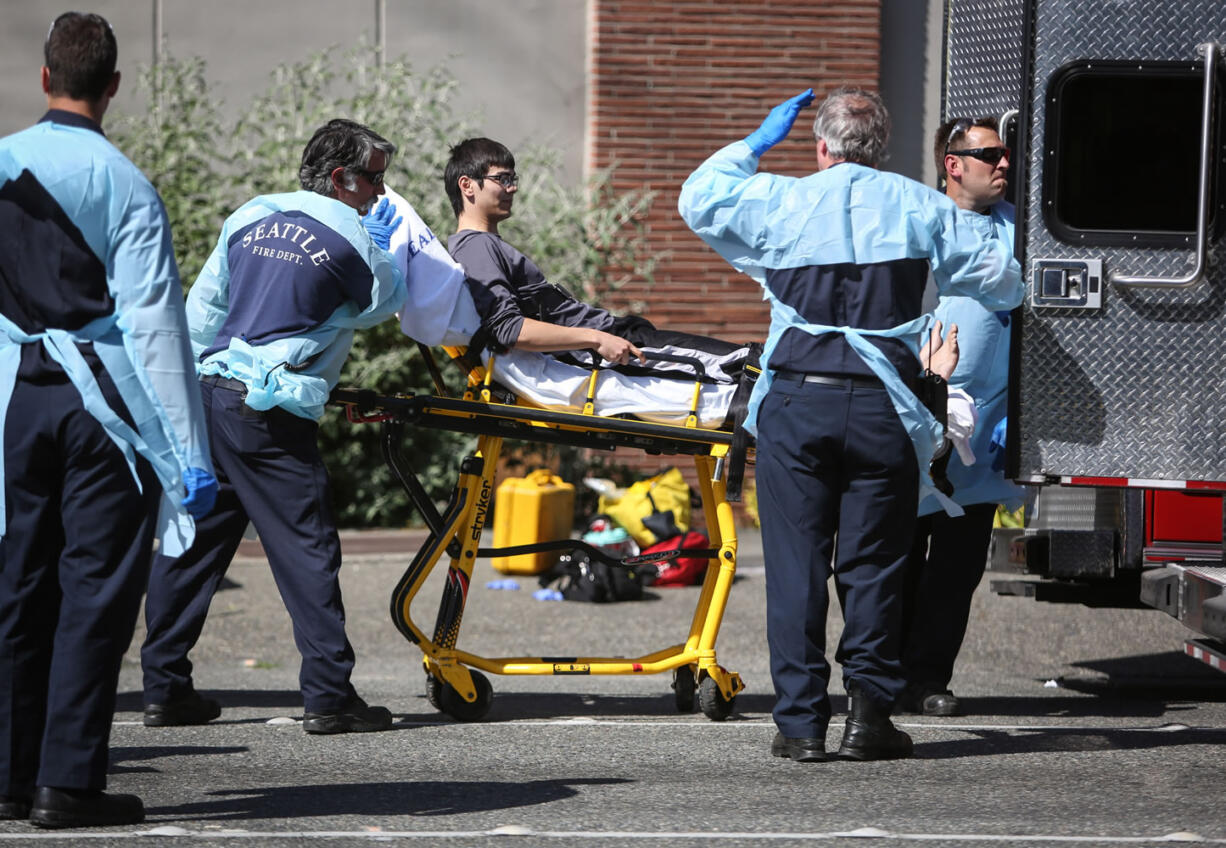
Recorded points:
(508,287)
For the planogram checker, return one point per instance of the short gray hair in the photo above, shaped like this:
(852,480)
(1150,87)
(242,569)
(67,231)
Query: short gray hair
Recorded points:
(340,143)
(855,125)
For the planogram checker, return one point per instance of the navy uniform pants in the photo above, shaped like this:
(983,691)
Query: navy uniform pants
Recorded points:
(946,564)
(833,461)
(270,472)
(73,564)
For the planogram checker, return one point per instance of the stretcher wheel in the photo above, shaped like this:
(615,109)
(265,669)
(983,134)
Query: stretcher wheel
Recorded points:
(433,687)
(453,704)
(711,700)
(683,688)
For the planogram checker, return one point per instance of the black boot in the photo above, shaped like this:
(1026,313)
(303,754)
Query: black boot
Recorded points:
(869,734)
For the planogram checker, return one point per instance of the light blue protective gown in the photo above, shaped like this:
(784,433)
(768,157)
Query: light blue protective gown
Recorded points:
(143,344)
(317,356)
(983,373)
(849,213)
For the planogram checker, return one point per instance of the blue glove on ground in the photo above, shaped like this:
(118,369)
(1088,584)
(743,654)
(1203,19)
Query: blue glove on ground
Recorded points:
(778,123)
(996,445)
(380,224)
(201,492)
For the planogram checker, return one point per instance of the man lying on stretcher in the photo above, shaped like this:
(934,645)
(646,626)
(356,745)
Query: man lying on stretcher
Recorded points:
(442,309)
(522,310)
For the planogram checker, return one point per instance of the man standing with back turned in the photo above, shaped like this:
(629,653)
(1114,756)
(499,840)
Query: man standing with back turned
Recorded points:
(843,442)
(101,418)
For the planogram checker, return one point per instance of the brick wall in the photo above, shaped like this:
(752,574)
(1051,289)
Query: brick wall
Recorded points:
(671,82)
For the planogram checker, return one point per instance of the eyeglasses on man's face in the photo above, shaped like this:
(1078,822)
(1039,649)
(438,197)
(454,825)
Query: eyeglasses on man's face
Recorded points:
(375,178)
(991,155)
(506,179)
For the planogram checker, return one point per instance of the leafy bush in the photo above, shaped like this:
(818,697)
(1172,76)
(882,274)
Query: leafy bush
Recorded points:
(205,167)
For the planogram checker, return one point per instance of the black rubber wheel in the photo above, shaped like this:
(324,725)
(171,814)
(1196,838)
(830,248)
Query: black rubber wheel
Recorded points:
(683,688)
(712,702)
(433,687)
(453,704)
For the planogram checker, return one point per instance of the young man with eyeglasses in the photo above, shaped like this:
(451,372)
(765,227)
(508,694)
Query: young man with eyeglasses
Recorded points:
(949,554)
(520,309)
(844,444)
(101,421)
(272,318)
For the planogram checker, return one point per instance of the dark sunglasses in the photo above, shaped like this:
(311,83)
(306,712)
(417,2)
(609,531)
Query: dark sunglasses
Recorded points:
(506,179)
(373,177)
(991,155)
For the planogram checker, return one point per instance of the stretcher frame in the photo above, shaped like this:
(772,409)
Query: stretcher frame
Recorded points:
(454,682)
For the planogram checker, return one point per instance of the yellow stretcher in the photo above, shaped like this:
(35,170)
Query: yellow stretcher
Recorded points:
(454,682)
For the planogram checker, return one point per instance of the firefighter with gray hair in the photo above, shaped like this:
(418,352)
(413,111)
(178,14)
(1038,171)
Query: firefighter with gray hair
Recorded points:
(843,442)
(272,318)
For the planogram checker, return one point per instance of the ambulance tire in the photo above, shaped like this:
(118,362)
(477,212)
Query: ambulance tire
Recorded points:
(683,688)
(711,700)
(453,704)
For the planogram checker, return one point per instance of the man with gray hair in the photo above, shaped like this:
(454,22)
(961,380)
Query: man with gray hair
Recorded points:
(272,317)
(844,444)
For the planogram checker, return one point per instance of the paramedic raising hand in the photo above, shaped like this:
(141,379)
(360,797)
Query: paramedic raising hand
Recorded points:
(776,126)
(834,408)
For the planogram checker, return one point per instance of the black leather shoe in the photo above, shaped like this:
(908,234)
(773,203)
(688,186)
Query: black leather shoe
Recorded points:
(54,808)
(919,699)
(869,733)
(13,807)
(355,717)
(802,749)
(192,708)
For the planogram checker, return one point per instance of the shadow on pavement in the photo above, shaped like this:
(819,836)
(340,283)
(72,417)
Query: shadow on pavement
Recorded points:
(992,743)
(421,798)
(122,757)
(517,706)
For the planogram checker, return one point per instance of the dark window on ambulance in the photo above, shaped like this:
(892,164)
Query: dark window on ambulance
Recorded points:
(1121,159)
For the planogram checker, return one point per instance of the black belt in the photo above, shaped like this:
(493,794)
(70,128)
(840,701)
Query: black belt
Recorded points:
(844,382)
(225,383)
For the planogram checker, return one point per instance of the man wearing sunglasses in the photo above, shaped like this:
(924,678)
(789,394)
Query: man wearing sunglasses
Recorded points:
(519,307)
(949,554)
(272,318)
(844,444)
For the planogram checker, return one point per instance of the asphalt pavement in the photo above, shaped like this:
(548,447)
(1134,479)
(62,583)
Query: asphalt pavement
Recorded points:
(1084,726)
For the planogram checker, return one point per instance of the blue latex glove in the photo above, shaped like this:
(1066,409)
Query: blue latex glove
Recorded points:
(380,223)
(778,123)
(996,445)
(201,492)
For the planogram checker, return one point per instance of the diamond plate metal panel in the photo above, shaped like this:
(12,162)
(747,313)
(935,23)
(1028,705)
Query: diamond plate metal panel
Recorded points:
(1138,388)
(983,57)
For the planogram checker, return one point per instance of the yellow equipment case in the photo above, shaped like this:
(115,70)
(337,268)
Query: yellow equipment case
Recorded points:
(536,508)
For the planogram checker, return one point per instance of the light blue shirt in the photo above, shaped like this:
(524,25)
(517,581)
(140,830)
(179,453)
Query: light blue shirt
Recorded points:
(143,344)
(295,372)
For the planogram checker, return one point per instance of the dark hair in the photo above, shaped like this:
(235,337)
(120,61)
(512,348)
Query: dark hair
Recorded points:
(472,157)
(80,54)
(953,127)
(340,143)
(855,124)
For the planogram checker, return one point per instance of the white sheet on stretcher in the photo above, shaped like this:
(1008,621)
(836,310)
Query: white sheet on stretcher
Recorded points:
(440,310)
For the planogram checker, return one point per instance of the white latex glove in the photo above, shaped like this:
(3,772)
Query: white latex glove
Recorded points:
(962,416)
